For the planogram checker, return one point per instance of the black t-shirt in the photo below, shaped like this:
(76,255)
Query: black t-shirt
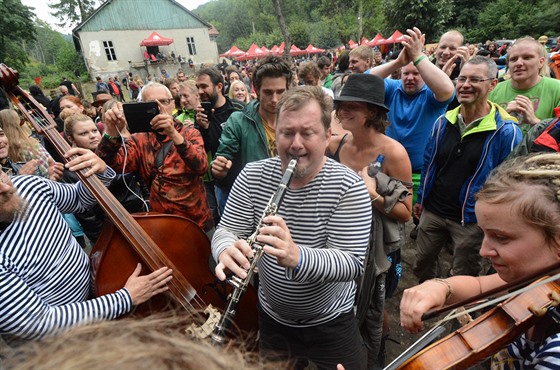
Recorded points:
(68,84)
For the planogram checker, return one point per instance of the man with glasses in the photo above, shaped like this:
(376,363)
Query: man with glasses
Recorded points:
(45,275)
(170,159)
(465,145)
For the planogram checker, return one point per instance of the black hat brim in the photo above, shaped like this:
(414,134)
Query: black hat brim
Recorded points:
(361,100)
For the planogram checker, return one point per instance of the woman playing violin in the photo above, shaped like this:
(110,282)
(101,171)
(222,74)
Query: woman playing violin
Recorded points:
(518,210)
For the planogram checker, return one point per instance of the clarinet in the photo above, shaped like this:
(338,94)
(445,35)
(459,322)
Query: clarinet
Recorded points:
(240,285)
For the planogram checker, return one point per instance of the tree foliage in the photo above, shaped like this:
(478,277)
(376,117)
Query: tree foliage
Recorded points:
(16,28)
(430,16)
(72,12)
(329,23)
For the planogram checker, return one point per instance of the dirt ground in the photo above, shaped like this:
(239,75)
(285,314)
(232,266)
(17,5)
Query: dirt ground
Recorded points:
(399,335)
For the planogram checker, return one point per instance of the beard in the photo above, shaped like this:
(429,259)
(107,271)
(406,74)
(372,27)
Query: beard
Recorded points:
(13,207)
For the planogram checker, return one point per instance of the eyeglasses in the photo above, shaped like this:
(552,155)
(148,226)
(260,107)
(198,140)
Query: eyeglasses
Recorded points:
(472,80)
(164,101)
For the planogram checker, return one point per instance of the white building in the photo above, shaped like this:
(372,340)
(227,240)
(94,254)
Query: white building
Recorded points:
(110,38)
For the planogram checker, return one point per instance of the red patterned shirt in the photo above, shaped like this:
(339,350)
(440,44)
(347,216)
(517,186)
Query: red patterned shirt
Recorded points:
(176,186)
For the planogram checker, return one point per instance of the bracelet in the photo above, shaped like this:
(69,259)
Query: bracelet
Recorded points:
(106,135)
(420,58)
(299,263)
(377,197)
(446,283)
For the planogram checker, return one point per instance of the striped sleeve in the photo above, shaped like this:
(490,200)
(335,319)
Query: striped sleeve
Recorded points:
(44,273)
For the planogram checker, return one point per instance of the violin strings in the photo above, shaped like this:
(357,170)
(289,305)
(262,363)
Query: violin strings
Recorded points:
(499,299)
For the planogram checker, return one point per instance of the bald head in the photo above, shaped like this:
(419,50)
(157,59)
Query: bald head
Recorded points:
(447,47)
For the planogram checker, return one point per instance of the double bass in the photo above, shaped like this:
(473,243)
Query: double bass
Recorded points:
(154,240)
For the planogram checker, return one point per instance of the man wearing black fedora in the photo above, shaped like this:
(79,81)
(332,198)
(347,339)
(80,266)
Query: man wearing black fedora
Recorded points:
(361,110)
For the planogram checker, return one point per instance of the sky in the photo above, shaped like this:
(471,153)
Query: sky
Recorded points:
(42,10)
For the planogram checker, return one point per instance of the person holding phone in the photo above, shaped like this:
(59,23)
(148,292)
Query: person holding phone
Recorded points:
(214,110)
(170,159)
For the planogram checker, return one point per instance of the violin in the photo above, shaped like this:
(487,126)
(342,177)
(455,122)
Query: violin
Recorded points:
(154,240)
(489,333)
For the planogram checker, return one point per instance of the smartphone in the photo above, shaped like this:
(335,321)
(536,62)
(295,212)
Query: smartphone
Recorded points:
(207,108)
(139,115)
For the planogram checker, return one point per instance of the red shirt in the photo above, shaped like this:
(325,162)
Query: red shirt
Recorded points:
(176,187)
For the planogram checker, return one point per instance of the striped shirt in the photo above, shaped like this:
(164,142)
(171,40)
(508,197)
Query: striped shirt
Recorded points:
(526,354)
(44,274)
(329,219)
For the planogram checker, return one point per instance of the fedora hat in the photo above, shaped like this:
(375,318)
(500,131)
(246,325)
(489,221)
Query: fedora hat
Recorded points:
(101,98)
(366,88)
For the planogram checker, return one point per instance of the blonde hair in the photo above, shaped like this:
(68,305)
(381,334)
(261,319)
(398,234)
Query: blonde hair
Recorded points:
(19,136)
(232,93)
(69,123)
(189,85)
(362,52)
(154,342)
(545,69)
(532,186)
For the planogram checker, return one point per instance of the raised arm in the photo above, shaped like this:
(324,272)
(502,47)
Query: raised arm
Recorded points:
(435,78)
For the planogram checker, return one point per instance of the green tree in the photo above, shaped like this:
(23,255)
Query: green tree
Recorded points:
(16,28)
(46,45)
(283,28)
(430,16)
(72,12)
(68,59)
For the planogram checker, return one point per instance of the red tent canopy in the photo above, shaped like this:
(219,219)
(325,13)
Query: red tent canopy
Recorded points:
(254,52)
(364,41)
(156,39)
(265,50)
(397,36)
(274,49)
(310,49)
(295,51)
(233,52)
(375,41)
(352,44)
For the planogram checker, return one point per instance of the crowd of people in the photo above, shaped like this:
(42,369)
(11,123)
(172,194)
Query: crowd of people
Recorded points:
(455,143)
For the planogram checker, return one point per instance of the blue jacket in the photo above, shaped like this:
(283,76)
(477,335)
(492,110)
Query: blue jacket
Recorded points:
(503,136)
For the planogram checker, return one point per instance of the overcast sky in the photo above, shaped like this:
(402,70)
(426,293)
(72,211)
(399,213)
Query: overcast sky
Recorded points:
(42,10)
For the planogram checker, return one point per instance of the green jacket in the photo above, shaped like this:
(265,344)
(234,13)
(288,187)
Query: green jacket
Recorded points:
(243,139)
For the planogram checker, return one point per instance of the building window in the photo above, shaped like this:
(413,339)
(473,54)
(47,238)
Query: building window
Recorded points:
(109,50)
(191,45)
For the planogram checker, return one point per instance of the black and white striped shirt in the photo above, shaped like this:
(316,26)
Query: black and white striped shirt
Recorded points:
(44,273)
(329,219)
